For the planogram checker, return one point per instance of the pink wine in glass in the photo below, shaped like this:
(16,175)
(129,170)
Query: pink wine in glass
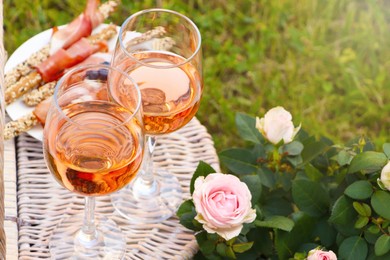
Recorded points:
(94,162)
(170,93)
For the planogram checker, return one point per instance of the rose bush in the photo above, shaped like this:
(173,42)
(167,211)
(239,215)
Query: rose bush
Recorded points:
(308,193)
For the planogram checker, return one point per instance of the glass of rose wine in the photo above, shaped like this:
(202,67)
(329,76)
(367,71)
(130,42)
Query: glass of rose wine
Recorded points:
(161,50)
(93,146)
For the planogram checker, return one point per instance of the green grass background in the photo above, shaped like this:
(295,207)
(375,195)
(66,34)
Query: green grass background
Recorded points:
(326,61)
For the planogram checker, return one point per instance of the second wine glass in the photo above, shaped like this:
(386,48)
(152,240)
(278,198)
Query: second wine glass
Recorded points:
(161,50)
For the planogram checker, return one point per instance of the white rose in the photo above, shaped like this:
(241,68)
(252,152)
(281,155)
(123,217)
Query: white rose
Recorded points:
(277,125)
(385,176)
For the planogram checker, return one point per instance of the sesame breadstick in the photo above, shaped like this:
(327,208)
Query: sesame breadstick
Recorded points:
(156,32)
(27,66)
(104,35)
(22,86)
(34,97)
(23,124)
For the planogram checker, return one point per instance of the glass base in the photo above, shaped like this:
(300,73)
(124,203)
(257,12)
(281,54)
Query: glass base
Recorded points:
(142,203)
(66,243)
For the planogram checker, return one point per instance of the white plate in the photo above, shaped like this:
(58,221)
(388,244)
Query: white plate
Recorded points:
(18,109)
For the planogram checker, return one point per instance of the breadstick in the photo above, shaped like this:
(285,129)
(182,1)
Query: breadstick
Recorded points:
(23,124)
(32,80)
(27,66)
(37,95)
(22,86)
(156,32)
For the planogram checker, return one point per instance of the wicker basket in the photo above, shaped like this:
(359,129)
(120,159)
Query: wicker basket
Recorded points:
(2,62)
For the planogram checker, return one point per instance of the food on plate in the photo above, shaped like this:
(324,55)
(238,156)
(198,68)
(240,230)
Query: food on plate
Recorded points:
(27,66)
(53,67)
(41,96)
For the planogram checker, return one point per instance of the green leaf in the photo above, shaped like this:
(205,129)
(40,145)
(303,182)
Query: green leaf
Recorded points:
(242,247)
(367,162)
(359,190)
(372,256)
(382,245)
(353,248)
(203,169)
(267,177)
(204,244)
(310,197)
(312,149)
(341,212)
(292,149)
(380,203)
(312,172)
(362,209)
(254,185)
(186,214)
(239,161)
(276,206)
(374,229)
(343,158)
(225,250)
(278,222)
(287,243)
(325,231)
(246,126)
(263,241)
(186,207)
(370,237)
(367,209)
(230,253)
(188,221)
(386,149)
(295,160)
(361,222)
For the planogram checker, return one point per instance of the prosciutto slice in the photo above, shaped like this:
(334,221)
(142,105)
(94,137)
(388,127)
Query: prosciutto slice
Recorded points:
(40,111)
(82,26)
(53,67)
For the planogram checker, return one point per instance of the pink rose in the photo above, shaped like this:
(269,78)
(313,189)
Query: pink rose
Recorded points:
(316,254)
(277,125)
(223,204)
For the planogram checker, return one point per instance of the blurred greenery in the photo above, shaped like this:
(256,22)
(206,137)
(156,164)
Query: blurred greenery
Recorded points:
(327,62)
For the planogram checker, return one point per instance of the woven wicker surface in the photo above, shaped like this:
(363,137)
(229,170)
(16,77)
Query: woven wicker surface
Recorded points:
(10,201)
(42,203)
(2,118)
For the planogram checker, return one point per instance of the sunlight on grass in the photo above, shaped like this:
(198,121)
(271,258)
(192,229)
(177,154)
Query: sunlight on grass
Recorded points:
(327,62)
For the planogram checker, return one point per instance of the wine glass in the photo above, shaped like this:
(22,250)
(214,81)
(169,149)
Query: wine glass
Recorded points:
(93,146)
(161,50)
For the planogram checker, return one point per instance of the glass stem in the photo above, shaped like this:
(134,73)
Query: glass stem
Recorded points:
(147,174)
(145,185)
(88,234)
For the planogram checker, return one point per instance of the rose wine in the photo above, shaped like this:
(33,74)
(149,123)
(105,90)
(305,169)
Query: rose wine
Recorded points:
(96,149)
(170,93)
